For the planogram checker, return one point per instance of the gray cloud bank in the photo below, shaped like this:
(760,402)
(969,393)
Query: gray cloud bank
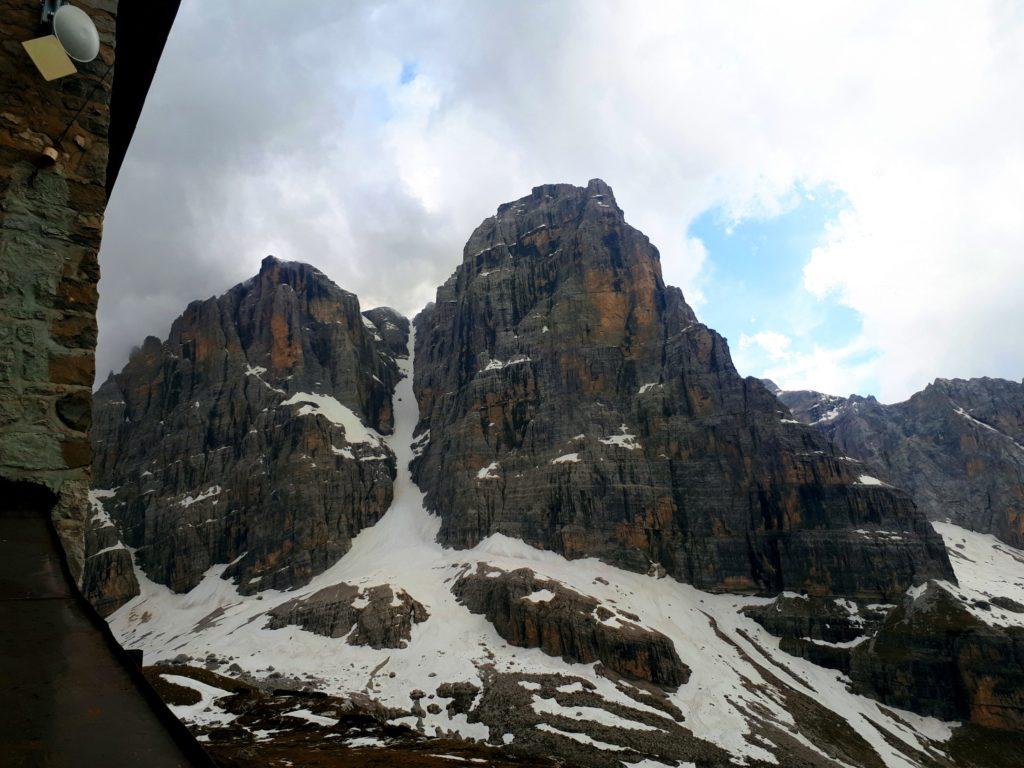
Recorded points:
(280,128)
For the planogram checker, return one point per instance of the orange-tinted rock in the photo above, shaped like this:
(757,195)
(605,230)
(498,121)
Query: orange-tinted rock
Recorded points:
(617,426)
(570,625)
(73,369)
(210,466)
(932,656)
(957,447)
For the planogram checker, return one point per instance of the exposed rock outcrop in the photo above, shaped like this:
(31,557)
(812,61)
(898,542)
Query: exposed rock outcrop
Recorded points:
(535,613)
(934,656)
(390,329)
(822,630)
(461,694)
(957,447)
(375,616)
(109,573)
(574,401)
(251,437)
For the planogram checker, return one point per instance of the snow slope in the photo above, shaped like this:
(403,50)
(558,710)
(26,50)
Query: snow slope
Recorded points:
(729,699)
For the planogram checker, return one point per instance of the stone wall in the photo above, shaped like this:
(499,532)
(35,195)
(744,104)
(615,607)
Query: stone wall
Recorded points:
(50,227)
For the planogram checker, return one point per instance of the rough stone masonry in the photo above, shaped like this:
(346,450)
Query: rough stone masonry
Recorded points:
(51,221)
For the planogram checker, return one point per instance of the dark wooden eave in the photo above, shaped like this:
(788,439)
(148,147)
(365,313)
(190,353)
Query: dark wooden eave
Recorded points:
(142,30)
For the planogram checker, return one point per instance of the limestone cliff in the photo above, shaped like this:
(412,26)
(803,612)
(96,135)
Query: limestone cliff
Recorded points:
(249,438)
(569,398)
(957,447)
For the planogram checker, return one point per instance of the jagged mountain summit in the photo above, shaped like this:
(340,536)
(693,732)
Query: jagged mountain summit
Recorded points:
(618,553)
(569,398)
(957,447)
(252,437)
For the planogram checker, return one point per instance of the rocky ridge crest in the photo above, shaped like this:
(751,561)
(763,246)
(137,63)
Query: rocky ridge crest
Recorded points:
(957,447)
(249,438)
(571,399)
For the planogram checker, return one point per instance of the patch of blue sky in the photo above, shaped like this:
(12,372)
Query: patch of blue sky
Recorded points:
(409,71)
(374,105)
(753,279)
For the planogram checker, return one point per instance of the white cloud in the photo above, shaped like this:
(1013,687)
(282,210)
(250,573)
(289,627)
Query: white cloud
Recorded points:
(268,133)
(844,370)
(776,345)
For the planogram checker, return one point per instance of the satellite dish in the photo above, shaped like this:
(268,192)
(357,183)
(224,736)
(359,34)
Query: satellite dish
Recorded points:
(76,33)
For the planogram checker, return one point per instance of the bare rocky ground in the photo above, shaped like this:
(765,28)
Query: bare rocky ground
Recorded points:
(247,724)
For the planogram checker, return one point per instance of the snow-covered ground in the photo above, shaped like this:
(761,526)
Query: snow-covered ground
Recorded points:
(725,699)
(985,568)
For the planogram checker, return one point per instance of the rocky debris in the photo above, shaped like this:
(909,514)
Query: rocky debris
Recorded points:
(461,694)
(569,398)
(550,714)
(375,616)
(934,656)
(247,726)
(250,437)
(957,447)
(535,613)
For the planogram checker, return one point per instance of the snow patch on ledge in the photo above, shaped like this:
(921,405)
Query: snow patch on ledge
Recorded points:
(490,472)
(540,596)
(209,493)
(257,373)
(868,480)
(336,413)
(623,440)
(497,365)
(568,458)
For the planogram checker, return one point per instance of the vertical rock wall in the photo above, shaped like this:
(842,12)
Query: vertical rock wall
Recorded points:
(573,400)
(957,447)
(250,437)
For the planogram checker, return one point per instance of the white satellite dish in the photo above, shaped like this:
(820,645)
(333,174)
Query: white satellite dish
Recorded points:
(76,33)
(74,39)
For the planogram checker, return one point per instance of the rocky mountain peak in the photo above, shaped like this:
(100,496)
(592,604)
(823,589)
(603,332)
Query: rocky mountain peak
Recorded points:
(574,401)
(250,437)
(555,206)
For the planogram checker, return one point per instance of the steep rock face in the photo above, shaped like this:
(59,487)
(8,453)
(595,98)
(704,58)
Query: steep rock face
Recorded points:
(822,630)
(569,398)
(250,437)
(536,613)
(376,616)
(109,574)
(957,447)
(933,656)
(389,329)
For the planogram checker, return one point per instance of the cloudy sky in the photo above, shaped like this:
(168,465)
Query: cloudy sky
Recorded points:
(837,188)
